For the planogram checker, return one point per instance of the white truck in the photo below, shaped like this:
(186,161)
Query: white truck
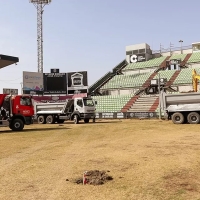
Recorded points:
(82,108)
(181,107)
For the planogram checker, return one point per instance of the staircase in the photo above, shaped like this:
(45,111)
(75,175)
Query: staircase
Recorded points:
(185,59)
(129,103)
(143,104)
(163,64)
(171,80)
(148,81)
(155,105)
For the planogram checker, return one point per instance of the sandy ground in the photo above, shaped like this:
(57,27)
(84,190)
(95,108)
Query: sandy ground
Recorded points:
(148,159)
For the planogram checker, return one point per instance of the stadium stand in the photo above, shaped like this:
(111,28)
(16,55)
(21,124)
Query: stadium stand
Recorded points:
(133,80)
(144,104)
(111,103)
(104,79)
(172,78)
(150,63)
(178,56)
(184,62)
(100,82)
(184,77)
(194,58)
(127,81)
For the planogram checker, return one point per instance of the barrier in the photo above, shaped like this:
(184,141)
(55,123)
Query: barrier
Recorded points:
(126,115)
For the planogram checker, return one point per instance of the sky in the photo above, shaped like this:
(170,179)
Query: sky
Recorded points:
(90,35)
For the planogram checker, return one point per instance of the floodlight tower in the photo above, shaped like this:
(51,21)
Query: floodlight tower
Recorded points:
(39,4)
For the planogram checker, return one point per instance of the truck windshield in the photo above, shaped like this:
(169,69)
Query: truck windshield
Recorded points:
(88,102)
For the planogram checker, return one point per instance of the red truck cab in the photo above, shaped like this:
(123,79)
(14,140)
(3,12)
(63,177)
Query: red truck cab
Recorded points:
(16,111)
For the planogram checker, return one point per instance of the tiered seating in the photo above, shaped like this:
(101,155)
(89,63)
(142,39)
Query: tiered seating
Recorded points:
(120,66)
(166,74)
(178,56)
(185,77)
(147,64)
(195,57)
(100,82)
(111,103)
(126,81)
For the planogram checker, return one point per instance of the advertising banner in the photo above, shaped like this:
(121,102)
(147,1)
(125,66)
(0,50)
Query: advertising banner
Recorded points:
(32,82)
(10,91)
(77,82)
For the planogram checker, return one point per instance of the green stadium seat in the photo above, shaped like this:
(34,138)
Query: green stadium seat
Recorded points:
(112,103)
(147,64)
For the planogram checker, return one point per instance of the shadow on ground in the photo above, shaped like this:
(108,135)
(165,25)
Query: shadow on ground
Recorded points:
(35,129)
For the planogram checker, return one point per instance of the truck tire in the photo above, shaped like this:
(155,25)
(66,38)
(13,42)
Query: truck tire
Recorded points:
(17,125)
(193,118)
(76,119)
(178,118)
(41,119)
(50,119)
(86,120)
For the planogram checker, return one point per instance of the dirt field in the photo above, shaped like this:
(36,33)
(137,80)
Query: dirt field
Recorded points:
(147,159)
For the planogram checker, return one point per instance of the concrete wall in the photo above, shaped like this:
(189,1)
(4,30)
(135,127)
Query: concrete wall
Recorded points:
(137,46)
(139,71)
(185,88)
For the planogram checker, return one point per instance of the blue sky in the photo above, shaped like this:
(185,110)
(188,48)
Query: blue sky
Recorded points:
(90,35)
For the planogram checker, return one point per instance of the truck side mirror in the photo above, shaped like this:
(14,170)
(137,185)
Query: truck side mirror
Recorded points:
(95,102)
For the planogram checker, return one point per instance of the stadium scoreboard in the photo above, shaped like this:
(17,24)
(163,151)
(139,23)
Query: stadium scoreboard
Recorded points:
(55,83)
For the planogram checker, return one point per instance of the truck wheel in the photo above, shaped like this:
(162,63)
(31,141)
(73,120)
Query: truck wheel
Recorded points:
(86,120)
(193,118)
(41,120)
(178,118)
(17,125)
(76,119)
(50,119)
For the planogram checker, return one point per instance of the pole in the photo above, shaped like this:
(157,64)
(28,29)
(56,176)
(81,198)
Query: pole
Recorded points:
(159,95)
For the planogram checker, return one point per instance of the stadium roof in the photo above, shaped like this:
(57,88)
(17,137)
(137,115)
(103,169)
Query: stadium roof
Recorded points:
(7,60)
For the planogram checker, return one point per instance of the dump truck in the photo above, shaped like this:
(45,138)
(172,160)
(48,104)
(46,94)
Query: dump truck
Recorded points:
(80,108)
(16,111)
(181,107)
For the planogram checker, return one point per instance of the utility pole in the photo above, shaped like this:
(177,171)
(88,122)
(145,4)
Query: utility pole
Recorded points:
(39,4)
(170,47)
(159,95)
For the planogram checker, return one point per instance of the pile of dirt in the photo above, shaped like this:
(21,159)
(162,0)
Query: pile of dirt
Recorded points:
(94,177)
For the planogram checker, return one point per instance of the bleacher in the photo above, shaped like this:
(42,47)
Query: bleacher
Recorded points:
(147,64)
(178,56)
(184,77)
(111,103)
(99,83)
(127,81)
(195,57)
(166,74)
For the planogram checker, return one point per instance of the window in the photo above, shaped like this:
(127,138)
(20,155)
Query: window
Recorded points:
(25,101)
(80,103)
(88,102)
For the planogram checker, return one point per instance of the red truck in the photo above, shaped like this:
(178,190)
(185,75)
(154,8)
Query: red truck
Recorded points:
(16,111)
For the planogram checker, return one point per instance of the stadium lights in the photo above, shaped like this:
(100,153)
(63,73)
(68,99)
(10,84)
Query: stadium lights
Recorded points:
(39,4)
(181,41)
